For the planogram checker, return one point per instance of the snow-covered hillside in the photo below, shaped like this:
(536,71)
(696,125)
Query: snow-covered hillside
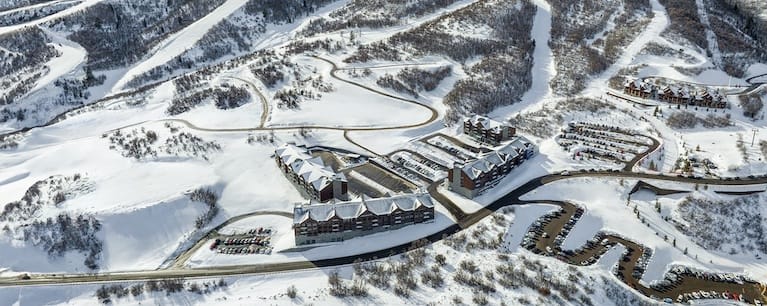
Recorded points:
(139,137)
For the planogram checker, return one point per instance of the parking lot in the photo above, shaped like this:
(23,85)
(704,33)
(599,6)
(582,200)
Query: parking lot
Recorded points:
(607,143)
(253,241)
(680,285)
(418,163)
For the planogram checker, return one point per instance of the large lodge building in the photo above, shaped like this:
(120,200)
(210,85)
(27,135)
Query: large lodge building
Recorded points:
(473,178)
(310,175)
(681,95)
(319,223)
(486,130)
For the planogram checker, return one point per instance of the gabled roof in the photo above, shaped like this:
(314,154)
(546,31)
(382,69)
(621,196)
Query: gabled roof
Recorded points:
(486,123)
(311,169)
(492,160)
(351,210)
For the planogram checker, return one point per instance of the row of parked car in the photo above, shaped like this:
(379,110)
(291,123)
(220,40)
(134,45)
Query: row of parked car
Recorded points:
(562,235)
(687,297)
(251,249)
(418,165)
(253,241)
(536,230)
(451,148)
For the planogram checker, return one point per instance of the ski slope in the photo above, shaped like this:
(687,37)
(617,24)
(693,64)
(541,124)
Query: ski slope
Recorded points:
(180,41)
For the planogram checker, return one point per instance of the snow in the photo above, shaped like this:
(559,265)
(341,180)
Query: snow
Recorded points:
(72,55)
(72,10)
(543,64)
(606,210)
(283,242)
(180,41)
(350,106)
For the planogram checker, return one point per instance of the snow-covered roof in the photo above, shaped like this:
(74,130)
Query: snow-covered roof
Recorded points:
(487,123)
(641,84)
(351,210)
(492,160)
(311,169)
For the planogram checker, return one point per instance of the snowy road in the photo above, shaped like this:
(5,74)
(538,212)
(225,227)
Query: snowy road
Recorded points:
(511,198)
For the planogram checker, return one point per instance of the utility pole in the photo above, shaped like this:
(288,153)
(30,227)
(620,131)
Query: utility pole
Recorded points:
(754,137)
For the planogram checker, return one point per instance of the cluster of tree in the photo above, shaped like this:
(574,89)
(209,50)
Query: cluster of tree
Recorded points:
(74,91)
(135,144)
(105,293)
(495,81)
(66,233)
(732,226)
(210,199)
(118,33)
(740,33)
(688,120)
(502,75)
(373,14)
(12,4)
(414,80)
(303,89)
(34,13)
(685,21)
(7,114)
(42,192)
(576,23)
(271,70)
(751,104)
(24,54)
(234,35)
(225,97)
(301,46)
(186,144)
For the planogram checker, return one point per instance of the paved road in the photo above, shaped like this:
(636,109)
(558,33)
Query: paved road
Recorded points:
(465,220)
(182,258)
(264,101)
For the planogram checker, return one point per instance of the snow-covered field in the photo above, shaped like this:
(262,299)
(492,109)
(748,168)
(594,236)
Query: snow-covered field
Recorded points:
(139,192)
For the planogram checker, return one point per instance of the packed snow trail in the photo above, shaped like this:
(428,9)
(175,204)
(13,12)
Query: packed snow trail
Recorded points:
(180,41)
(543,64)
(85,4)
(713,45)
(72,55)
(653,30)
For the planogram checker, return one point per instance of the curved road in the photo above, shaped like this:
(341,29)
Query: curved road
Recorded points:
(464,220)
(182,258)
(264,102)
(434,115)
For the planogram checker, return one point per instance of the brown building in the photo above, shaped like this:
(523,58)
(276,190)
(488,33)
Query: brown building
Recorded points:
(639,88)
(473,178)
(341,221)
(704,97)
(310,175)
(486,130)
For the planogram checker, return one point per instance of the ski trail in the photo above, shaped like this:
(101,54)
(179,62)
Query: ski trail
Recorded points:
(653,30)
(713,45)
(85,4)
(180,41)
(72,55)
(543,69)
